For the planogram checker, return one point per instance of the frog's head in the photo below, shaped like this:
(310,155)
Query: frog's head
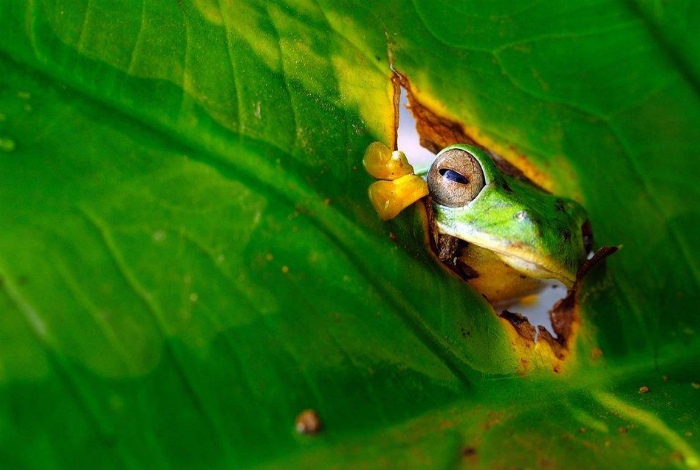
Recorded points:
(536,233)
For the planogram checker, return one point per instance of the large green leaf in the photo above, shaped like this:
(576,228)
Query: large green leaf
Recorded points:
(188,258)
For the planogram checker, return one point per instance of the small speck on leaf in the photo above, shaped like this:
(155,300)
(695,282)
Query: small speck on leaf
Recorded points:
(644,389)
(677,456)
(159,235)
(468,451)
(7,144)
(308,422)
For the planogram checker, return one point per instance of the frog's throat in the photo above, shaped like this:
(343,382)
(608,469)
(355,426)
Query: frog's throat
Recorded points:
(518,258)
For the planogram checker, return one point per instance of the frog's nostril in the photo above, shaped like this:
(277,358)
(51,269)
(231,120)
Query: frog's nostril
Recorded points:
(587,235)
(522,215)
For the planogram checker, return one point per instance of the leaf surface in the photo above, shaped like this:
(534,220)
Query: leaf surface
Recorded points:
(189,257)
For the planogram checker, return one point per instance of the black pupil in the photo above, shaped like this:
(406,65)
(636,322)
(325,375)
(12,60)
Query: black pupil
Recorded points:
(453,176)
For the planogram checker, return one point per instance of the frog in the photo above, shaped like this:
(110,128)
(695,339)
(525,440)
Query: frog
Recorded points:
(492,226)
(504,234)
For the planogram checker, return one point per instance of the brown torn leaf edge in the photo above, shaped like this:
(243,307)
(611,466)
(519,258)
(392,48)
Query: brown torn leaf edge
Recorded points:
(521,324)
(437,132)
(563,313)
(558,346)
(396,102)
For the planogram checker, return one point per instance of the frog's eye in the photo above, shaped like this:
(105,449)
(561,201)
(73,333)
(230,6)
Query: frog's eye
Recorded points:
(455,178)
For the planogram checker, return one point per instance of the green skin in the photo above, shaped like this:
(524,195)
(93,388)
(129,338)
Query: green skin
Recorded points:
(536,233)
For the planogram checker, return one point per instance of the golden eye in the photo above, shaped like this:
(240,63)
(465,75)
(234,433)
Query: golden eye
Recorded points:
(455,178)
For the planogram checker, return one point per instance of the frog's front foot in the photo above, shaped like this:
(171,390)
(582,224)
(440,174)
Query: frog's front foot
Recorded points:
(398,187)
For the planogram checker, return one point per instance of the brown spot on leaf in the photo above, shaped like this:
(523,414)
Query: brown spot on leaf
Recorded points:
(644,389)
(308,422)
(494,418)
(468,451)
(677,456)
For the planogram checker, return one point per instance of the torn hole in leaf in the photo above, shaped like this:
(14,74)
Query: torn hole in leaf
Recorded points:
(538,311)
(408,139)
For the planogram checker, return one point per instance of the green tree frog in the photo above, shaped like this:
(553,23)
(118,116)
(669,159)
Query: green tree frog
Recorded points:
(488,223)
(500,232)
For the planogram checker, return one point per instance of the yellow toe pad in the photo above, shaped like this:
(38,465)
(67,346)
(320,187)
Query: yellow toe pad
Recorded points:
(389,198)
(384,164)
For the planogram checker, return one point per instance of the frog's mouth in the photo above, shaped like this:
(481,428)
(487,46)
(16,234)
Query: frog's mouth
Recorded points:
(518,257)
(535,270)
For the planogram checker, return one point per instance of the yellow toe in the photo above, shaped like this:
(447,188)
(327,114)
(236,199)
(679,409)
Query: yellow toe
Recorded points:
(389,198)
(384,164)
